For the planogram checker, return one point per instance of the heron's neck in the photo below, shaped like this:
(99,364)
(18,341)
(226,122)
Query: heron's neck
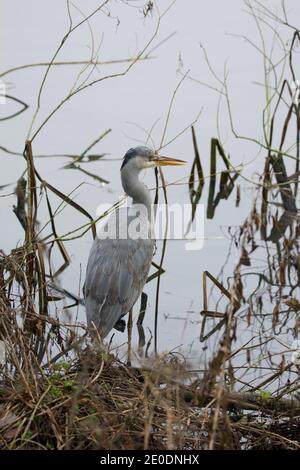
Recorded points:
(134,188)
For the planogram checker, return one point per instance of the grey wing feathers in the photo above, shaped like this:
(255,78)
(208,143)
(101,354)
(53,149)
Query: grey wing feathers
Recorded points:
(116,273)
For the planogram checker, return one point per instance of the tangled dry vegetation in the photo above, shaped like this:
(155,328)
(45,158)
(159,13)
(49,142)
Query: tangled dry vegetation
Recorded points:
(91,400)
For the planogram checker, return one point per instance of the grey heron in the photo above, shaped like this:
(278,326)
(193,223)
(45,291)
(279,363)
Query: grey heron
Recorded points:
(118,266)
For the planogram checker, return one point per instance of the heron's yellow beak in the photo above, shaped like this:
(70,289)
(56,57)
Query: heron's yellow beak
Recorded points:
(164,161)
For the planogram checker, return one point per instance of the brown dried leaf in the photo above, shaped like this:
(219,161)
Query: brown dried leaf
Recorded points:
(244,259)
(294,304)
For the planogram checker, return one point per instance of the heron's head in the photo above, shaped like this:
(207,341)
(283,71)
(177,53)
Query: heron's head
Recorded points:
(140,158)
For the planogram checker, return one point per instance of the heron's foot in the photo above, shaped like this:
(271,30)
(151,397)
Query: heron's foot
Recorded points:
(120,325)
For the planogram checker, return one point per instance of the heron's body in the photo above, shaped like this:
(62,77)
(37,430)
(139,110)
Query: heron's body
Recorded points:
(118,265)
(117,271)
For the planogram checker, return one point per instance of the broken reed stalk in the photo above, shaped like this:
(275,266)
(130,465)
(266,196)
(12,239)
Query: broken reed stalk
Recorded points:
(226,181)
(287,195)
(31,213)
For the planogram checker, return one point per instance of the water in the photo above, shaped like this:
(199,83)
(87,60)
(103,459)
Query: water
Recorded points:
(127,105)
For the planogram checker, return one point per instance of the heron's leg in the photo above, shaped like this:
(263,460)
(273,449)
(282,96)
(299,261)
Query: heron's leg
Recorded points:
(120,325)
(129,331)
(139,323)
